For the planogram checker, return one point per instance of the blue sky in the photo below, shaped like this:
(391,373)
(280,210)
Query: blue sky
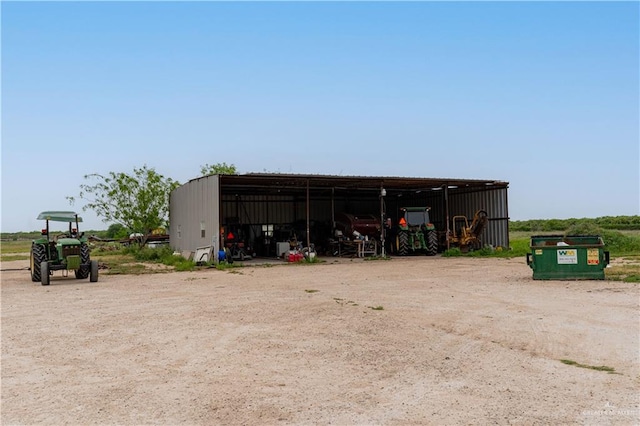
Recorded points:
(544,95)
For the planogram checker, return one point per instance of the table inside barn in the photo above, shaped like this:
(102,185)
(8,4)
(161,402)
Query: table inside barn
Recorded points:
(354,248)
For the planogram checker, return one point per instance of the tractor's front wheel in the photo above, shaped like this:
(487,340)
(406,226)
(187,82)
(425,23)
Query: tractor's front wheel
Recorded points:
(432,243)
(38,255)
(402,243)
(44,270)
(85,259)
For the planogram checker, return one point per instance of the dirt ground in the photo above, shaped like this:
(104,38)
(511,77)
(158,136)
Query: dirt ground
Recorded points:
(423,340)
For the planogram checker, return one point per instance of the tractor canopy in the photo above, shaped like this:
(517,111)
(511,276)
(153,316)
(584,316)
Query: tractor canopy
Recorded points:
(69,217)
(60,216)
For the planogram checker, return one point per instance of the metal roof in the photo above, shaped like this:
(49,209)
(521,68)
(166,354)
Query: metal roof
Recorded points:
(277,180)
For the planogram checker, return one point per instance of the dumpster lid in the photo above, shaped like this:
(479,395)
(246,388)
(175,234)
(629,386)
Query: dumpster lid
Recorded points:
(569,240)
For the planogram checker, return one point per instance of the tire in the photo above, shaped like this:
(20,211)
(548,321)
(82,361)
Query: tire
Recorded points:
(44,270)
(403,243)
(38,256)
(85,259)
(432,243)
(93,277)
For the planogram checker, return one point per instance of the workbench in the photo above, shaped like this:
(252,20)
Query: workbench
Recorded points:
(354,248)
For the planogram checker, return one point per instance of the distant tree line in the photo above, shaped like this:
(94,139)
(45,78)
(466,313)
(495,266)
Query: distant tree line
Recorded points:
(604,222)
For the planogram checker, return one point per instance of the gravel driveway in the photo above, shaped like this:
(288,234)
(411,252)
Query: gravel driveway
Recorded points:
(421,340)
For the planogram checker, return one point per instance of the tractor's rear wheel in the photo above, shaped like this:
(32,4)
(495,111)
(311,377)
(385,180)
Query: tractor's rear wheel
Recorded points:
(85,259)
(38,255)
(432,243)
(44,270)
(403,243)
(93,277)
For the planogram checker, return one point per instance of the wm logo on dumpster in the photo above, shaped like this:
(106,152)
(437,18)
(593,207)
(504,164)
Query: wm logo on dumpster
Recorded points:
(567,257)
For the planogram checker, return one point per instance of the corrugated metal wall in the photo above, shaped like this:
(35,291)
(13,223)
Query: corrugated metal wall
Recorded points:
(194,215)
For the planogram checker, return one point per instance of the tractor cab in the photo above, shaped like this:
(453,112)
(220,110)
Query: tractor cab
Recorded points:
(416,217)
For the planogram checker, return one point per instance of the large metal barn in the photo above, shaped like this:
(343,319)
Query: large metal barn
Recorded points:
(263,211)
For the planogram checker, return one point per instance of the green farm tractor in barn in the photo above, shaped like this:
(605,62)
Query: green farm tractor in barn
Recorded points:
(65,252)
(416,234)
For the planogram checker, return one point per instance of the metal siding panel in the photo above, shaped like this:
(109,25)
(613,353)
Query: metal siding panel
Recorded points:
(191,205)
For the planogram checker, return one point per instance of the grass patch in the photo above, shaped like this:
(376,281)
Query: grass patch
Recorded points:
(128,262)
(609,370)
(224,265)
(163,255)
(377,258)
(126,269)
(10,247)
(376,308)
(124,264)
(11,257)
(629,273)
(312,291)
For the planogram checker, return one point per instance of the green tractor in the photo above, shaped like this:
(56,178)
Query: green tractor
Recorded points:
(65,252)
(416,234)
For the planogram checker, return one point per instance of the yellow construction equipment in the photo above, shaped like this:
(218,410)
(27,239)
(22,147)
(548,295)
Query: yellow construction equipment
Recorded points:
(464,236)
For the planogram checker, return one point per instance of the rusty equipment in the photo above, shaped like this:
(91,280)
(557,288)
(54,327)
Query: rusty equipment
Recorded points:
(358,225)
(467,237)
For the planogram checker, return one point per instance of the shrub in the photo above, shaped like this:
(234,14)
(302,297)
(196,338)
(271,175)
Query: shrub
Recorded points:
(162,255)
(452,252)
(583,228)
(618,243)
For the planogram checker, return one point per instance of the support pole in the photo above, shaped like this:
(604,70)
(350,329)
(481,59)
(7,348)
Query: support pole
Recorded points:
(446,210)
(308,235)
(333,210)
(382,233)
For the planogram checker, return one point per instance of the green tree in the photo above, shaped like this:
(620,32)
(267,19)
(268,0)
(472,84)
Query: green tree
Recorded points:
(218,169)
(138,201)
(116,230)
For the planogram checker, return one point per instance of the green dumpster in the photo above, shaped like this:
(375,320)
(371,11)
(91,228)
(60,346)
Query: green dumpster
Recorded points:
(567,257)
